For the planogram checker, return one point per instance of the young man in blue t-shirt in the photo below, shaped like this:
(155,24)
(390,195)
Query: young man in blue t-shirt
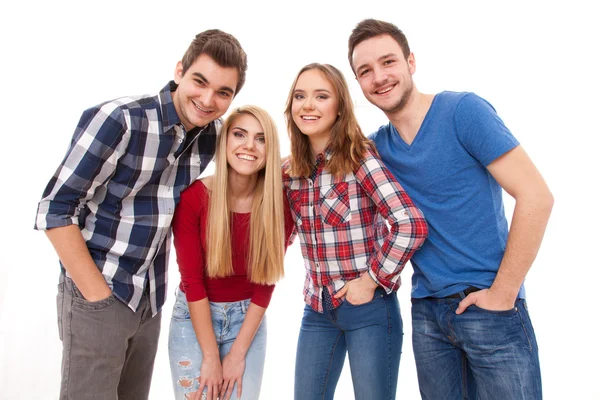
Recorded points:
(472,335)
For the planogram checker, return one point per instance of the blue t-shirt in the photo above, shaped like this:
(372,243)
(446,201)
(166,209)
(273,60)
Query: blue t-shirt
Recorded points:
(444,172)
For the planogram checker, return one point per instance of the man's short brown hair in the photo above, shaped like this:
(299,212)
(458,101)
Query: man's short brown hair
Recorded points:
(223,48)
(369,28)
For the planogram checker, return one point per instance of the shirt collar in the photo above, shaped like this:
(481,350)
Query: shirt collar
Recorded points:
(167,107)
(326,154)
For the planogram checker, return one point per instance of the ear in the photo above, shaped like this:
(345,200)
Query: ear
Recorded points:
(412,64)
(178,72)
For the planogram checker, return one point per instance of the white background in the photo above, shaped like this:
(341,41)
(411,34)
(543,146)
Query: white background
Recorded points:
(537,63)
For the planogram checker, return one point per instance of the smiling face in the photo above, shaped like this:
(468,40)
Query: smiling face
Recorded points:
(384,73)
(246,148)
(314,105)
(204,93)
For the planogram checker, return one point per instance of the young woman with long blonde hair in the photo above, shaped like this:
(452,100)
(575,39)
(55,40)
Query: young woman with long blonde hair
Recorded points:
(230,233)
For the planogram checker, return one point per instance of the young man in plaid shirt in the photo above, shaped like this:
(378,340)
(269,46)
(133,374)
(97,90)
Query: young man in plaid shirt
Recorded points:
(108,209)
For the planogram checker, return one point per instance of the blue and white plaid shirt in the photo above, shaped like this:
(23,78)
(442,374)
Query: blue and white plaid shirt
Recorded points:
(122,176)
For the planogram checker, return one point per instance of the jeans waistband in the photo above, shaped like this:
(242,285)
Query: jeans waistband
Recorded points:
(458,295)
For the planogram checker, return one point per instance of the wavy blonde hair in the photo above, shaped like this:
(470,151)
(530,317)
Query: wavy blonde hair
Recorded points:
(265,264)
(346,142)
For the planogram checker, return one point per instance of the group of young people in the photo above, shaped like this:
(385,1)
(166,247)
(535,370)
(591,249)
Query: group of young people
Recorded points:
(426,187)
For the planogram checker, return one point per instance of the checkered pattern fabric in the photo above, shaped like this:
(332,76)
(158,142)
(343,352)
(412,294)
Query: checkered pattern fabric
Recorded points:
(342,227)
(120,181)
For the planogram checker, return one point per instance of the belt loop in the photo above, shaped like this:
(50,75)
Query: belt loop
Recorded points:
(462,294)
(244,306)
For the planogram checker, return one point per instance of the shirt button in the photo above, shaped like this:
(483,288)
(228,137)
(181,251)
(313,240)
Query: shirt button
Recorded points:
(170,211)
(180,140)
(317,266)
(310,183)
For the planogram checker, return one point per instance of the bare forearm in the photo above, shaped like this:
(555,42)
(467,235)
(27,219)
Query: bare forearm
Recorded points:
(252,321)
(527,229)
(75,257)
(202,322)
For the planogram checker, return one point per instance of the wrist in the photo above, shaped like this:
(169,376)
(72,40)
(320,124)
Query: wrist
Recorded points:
(504,293)
(369,281)
(211,356)
(237,353)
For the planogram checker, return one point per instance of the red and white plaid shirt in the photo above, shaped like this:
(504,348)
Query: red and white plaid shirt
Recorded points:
(340,222)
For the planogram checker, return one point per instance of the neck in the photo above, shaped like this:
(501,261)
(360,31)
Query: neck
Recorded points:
(409,119)
(318,144)
(241,191)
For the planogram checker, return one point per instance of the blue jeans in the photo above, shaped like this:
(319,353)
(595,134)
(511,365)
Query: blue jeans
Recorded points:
(479,354)
(185,355)
(372,335)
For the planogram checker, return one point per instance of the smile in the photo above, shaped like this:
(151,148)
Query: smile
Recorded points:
(246,157)
(385,90)
(204,110)
(309,118)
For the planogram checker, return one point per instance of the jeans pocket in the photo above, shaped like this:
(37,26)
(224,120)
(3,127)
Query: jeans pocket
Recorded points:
(378,295)
(82,303)
(509,312)
(181,310)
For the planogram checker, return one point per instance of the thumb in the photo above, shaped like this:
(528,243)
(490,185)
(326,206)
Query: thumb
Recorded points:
(465,303)
(342,292)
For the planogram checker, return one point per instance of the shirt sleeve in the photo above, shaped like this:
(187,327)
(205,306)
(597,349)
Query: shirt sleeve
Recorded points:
(290,225)
(100,139)
(481,131)
(187,241)
(261,295)
(408,228)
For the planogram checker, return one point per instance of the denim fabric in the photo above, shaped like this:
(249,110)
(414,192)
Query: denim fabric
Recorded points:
(108,350)
(479,354)
(371,333)
(185,355)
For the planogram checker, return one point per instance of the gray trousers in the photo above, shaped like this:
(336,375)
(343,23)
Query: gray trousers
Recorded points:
(108,350)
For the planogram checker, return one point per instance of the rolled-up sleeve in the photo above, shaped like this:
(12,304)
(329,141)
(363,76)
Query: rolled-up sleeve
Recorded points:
(98,142)
(408,228)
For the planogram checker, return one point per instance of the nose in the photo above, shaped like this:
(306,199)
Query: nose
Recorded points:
(379,76)
(308,104)
(208,98)
(249,143)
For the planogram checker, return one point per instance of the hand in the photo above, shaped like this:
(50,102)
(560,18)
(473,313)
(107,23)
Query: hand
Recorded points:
(211,376)
(358,291)
(102,294)
(488,300)
(233,372)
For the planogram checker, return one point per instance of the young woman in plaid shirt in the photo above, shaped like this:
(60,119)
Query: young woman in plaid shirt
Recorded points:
(341,196)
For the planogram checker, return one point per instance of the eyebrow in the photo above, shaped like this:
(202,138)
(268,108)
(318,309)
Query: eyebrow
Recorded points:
(246,131)
(383,57)
(316,90)
(223,88)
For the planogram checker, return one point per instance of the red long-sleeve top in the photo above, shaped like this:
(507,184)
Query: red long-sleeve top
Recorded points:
(189,235)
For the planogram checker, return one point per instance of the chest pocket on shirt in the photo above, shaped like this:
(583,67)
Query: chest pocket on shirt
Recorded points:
(335,204)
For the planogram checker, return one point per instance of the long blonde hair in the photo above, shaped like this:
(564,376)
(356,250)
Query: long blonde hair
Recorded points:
(265,264)
(346,142)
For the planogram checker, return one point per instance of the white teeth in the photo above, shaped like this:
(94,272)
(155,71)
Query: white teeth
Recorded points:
(385,90)
(309,118)
(200,108)
(246,157)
